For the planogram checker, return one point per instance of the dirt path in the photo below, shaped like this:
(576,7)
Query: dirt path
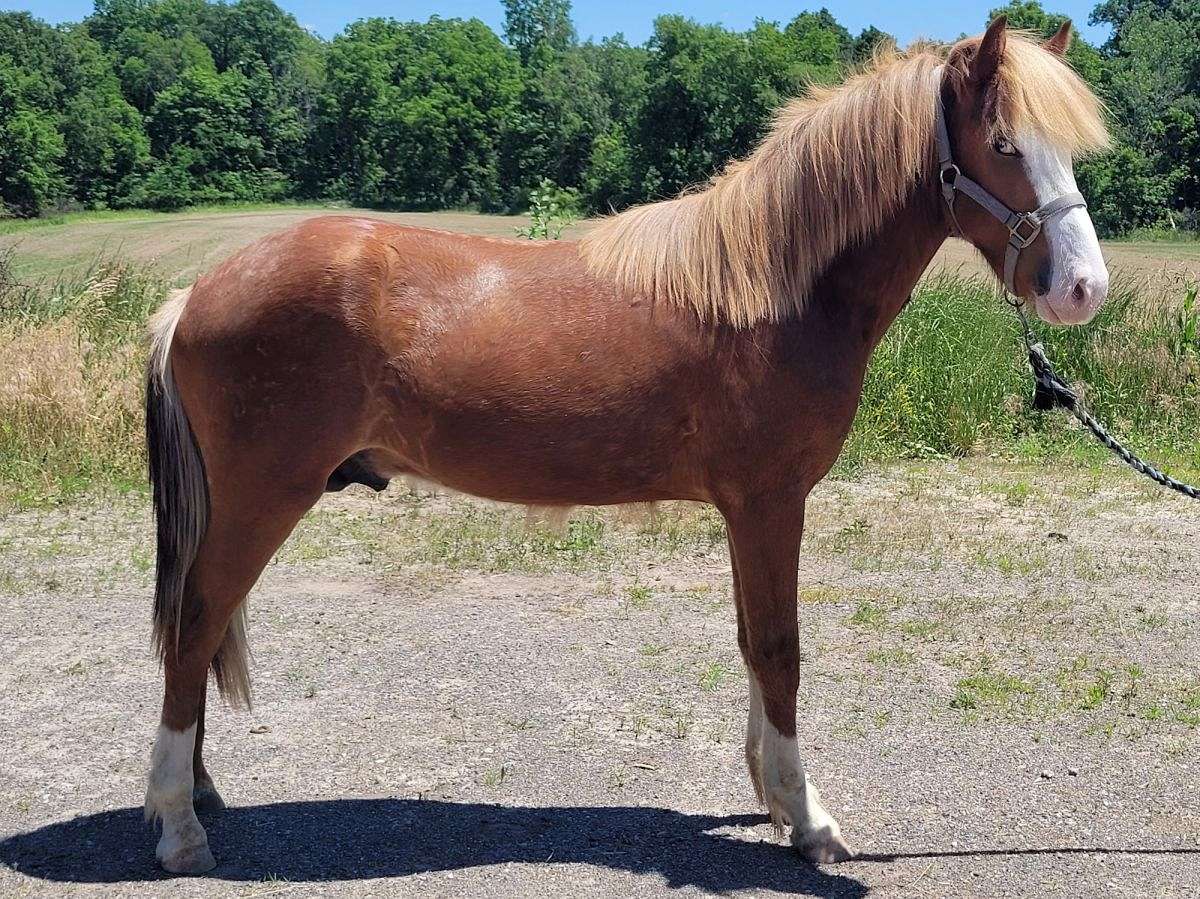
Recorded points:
(187,244)
(1000,697)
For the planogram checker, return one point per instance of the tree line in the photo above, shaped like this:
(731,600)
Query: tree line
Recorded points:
(170,103)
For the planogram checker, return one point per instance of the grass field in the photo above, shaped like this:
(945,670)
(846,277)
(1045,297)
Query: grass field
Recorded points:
(182,245)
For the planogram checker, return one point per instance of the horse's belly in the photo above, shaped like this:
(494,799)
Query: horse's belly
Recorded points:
(586,461)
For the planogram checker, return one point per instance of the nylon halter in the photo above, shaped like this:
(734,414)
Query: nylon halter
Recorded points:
(1023,227)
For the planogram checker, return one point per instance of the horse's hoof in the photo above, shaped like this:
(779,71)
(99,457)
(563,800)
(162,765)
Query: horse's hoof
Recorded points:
(205,798)
(188,860)
(822,847)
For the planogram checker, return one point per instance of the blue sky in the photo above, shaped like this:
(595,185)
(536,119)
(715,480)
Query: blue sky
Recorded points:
(945,19)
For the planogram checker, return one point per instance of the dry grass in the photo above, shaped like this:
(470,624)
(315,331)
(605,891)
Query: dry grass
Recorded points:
(70,384)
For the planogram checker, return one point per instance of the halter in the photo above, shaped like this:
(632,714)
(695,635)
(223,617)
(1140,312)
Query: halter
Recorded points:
(1023,227)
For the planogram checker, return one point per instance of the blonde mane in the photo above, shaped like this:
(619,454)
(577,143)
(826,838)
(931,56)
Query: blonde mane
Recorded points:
(834,166)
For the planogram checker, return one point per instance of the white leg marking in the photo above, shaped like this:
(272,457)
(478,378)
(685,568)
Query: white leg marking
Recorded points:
(793,799)
(754,723)
(183,847)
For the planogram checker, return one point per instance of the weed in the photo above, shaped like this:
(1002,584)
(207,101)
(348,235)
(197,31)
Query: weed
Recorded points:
(891,657)
(495,778)
(868,615)
(712,677)
(638,596)
(989,689)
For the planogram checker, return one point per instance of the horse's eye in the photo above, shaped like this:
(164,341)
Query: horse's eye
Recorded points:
(1005,147)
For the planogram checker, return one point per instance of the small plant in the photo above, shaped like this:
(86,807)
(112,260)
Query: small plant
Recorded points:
(712,677)
(868,615)
(495,778)
(551,210)
(638,596)
(989,689)
(1185,336)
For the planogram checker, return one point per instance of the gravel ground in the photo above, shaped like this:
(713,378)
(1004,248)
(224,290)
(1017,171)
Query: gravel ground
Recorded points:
(1000,697)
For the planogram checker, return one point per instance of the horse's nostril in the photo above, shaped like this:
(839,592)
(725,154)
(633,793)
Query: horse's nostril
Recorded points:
(1080,293)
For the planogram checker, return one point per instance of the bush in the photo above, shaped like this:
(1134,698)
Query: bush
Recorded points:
(551,210)
(1124,193)
(171,185)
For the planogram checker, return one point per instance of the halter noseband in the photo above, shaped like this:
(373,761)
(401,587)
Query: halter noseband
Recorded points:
(1023,227)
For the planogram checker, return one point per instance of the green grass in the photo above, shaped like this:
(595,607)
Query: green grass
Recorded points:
(87,217)
(950,379)
(989,690)
(868,616)
(1161,236)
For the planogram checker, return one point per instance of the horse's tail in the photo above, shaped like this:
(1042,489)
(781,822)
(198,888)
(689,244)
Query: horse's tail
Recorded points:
(181,509)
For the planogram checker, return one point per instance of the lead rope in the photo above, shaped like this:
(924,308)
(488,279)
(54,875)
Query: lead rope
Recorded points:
(1051,391)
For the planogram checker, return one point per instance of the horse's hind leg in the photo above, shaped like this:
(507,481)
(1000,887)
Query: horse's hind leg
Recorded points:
(205,797)
(247,524)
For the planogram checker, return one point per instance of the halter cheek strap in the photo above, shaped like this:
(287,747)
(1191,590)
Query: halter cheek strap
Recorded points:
(1023,227)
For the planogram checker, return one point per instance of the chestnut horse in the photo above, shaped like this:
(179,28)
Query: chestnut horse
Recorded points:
(708,348)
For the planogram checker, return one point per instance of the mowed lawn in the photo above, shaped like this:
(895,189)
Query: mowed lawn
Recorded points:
(183,245)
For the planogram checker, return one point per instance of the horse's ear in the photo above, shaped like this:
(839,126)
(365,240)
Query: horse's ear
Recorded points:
(990,52)
(1060,40)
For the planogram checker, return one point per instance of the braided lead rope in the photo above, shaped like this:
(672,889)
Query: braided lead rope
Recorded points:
(1053,391)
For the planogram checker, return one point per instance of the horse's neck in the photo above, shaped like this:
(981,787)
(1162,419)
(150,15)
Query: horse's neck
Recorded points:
(865,288)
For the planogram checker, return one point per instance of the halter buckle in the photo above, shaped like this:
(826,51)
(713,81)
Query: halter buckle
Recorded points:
(1016,237)
(948,176)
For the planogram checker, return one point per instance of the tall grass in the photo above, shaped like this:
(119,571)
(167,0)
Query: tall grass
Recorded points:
(949,380)
(71,355)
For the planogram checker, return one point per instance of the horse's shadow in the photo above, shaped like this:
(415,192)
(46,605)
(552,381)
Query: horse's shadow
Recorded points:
(358,839)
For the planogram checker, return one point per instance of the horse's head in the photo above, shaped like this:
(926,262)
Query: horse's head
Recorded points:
(1016,115)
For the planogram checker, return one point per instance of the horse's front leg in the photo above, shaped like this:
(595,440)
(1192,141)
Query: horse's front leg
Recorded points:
(764,538)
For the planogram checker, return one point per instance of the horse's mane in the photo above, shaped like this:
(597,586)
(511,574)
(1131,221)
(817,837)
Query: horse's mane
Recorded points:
(835,164)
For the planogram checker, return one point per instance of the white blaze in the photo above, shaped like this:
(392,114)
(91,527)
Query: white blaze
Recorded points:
(1076,260)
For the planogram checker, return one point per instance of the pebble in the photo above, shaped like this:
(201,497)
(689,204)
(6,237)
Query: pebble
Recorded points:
(1047,774)
(1073,772)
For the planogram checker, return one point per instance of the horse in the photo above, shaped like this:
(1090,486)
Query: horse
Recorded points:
(710,348)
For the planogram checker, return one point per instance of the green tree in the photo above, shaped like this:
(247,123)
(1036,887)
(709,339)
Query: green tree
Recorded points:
(210,114)
(80,140)
(550,134)
(1030,16)
(709,96)
(412,114)
(825,40)
(31,149)
(1152,78)
(531,23)
(866,43)
(621,72)
(1124,191)
(608,183)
